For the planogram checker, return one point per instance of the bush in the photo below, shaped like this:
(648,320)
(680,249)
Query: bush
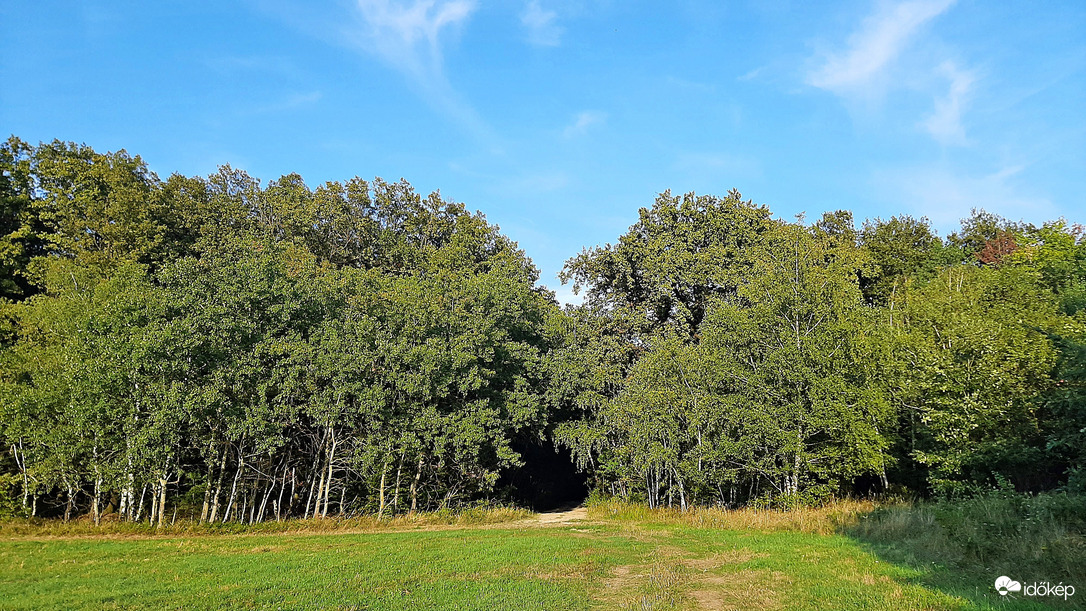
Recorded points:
(11,489)
(1042,537)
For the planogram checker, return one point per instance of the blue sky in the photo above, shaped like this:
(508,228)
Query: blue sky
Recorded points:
(560,118)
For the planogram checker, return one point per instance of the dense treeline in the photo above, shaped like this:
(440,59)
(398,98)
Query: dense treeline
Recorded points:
(266,351)
(244,352)
(725,357)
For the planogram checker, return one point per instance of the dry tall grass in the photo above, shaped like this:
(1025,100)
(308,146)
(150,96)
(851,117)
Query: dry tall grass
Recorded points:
(830,518)
(85,527)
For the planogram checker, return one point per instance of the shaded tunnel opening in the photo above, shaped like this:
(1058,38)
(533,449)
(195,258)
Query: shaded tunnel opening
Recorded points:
(548,480)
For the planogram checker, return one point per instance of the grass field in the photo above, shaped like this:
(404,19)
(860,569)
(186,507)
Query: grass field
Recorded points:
(613,557)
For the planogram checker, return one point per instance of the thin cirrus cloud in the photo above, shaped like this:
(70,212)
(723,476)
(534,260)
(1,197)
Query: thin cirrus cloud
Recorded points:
(872,48)
(582,122)
(869,66)
(541,25)
(408,36)
(945,123)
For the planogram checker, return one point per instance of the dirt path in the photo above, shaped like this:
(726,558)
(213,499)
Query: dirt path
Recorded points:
(563,517)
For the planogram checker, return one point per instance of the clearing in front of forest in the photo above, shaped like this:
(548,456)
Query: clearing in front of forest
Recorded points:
(607,557)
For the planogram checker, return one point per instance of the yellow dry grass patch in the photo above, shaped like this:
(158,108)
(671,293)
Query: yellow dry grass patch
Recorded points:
(672,579)
(735,556)
(655,584)
(827,519)
(740,591)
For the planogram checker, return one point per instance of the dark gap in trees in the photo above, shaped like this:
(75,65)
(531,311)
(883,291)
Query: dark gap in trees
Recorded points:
(547,481)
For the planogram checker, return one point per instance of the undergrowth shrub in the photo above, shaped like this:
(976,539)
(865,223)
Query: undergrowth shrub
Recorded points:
(10,505)
(1042,537)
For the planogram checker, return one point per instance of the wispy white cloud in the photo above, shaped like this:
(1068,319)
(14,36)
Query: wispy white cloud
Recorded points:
(582,122)
(874,46)
(945,196)
(541,25)
(945,123)
(409,36)
(883,56)
(751,75)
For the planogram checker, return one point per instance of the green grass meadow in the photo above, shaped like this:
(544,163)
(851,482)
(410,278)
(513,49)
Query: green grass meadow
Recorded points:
(612,560)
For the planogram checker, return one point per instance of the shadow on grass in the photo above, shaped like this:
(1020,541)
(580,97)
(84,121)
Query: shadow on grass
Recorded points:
(962,547)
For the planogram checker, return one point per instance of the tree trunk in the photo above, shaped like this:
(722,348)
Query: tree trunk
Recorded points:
(252,503)
(234,487)
(139,508)
(293,483)
(320,489)
(415,485)
(312,487)
(282,488)
(648,488)
(154,504)
(267,495)
(381,505)
(670,489)
(682,491)
(22,470)
(331,466)
(396,493)
(207,491)
(96,511)
(128,496)
(313,480)
(215,499)
(125,508)
(161,500)
(71,502)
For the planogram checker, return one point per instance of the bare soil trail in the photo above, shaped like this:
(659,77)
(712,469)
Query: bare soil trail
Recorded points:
(564,516)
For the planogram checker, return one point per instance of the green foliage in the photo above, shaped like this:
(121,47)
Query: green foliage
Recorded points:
(211,335)
(800,376)
(680,254)
(246,351)
(974,364)
(819,357)
(19,229)
(776,389)
(1000,532)
(901,250)
(1066,406)
(10,490)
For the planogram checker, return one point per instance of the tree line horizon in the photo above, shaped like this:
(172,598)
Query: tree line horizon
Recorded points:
(237,352)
